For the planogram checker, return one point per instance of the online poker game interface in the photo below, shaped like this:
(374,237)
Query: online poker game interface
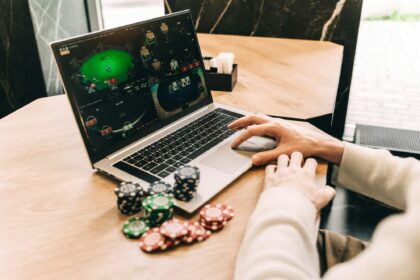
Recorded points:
(128,79)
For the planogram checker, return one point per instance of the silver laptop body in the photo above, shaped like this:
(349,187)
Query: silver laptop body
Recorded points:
(127,94)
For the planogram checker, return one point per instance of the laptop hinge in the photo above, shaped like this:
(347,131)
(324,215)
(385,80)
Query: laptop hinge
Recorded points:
(163,130)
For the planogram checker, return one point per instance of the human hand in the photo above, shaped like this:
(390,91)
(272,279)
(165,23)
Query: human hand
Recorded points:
(289,138)
(301,178)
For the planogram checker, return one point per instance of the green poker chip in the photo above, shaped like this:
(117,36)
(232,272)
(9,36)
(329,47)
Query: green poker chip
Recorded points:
(159,201)
(135,227)
(158,208)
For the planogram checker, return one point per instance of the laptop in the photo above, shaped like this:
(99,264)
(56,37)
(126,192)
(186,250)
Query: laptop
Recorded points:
(139,96)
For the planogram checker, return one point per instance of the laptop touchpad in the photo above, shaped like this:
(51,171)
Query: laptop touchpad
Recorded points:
(225,159)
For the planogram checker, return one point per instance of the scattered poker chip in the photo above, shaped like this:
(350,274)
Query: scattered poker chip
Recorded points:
(206,234)
(169,243)
(173,232)
(159,187)
(227,212)
(174,229)
(135,227)
(212,213)
(152,240)
(194,230)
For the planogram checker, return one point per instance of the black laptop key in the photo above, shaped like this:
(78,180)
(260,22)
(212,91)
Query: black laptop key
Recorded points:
(149,166)
(170,161)
(177,164)
(204,148)
(177,157)
(163,174)
(229,113)
(136,172)
(158,160)
(141,163)
(170,169)
(159,168)
(184,153)
(185,160)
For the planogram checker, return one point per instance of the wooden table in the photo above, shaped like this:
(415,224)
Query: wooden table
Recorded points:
(59,218)
(289,78)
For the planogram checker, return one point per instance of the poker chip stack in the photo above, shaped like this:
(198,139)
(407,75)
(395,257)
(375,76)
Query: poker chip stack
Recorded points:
(153,241)
(171,234)
(175,232)
(187,179)
(215,217)
(129,197)
(135,227)
(195,233)
(158,208)
(159,187)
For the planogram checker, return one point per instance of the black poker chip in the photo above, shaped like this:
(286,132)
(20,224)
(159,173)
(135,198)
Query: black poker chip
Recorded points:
(129,197)
(128,190)
(187,179)
(187,173)
(159,187)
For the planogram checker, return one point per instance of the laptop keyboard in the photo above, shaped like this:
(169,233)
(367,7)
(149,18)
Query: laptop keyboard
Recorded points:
(164,156)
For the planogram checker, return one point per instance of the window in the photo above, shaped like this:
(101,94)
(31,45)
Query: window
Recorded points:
(121,12)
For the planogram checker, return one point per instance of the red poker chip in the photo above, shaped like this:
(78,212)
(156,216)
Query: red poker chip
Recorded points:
(152,240)
(205,234)
(211,223)
(194,230)
(169,243)
(213,227)
(227,212)
(174,229)
(212,213)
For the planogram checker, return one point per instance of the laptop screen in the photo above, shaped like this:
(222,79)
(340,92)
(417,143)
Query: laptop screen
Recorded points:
(127,82)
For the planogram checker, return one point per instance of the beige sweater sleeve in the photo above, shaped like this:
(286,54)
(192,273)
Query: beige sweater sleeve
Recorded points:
(280,244)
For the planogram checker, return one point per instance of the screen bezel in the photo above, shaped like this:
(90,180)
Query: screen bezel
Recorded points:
(96,156)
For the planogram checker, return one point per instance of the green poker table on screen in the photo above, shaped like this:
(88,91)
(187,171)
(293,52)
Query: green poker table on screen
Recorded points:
(110,65)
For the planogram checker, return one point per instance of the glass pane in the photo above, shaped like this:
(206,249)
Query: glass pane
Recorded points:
(121,12)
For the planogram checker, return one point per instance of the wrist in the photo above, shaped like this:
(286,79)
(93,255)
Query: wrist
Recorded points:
(330,150)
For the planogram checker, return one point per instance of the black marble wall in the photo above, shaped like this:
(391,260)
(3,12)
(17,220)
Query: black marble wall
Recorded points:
(27,27)
(21,79)
(329,20)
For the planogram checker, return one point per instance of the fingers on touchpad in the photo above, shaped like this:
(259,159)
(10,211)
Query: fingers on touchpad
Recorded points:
(257,144)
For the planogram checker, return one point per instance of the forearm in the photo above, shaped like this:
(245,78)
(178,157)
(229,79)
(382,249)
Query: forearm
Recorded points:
(330,150)
(378,174)
(280,240)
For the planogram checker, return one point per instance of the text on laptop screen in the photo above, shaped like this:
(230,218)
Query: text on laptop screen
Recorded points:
(127,79)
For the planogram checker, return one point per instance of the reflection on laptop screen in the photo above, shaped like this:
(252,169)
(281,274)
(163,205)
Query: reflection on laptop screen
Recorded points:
(127,79)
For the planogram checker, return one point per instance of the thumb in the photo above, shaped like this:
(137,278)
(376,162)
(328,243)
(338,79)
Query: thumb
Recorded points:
(328,193)
(265,157)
